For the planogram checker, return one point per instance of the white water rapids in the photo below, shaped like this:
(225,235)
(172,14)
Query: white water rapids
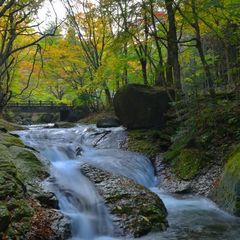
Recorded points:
(190,218)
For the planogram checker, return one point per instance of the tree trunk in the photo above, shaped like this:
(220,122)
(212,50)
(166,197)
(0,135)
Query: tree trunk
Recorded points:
(144,71)
(160,74)
(173,68)
(108,96)
(201,52)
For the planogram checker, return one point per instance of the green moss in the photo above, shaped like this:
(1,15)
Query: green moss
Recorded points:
(233,164)
(9,140)
(227,192)
(188,164)
(10,126)
(17,167)
(21,210)
(183,138)
(30,166)
(144,141)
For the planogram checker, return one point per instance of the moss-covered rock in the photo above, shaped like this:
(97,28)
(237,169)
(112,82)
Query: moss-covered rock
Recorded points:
(9,126)
(227,190)
(182,139)
(145,141)
(10,140)
(20,174)
(4,218)
(12,196)
(140,106)
(136,210)
(30,166)
(188,164)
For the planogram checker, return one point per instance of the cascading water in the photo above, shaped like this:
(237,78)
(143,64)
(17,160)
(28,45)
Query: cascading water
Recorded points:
(190,218)
(67,149)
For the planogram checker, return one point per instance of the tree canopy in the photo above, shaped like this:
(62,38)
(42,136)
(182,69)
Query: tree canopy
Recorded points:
(190,46)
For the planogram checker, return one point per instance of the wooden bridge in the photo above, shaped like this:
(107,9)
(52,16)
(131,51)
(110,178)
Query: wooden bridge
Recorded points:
(41,107)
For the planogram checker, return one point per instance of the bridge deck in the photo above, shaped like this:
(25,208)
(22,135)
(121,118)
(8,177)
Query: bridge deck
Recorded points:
(41,106)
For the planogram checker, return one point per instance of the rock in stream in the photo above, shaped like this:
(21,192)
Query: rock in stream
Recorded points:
(136,210)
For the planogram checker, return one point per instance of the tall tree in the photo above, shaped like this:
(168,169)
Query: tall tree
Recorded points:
(17,33)
(173,66)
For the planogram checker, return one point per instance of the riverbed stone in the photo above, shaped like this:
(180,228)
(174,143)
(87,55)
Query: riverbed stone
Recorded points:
(141,106)
(136,210)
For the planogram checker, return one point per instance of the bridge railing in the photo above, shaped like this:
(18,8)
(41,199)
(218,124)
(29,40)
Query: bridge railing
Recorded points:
(37,104)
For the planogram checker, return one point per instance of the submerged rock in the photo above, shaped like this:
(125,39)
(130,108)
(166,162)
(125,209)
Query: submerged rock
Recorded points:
(136,210)
(140,106)
(226,191)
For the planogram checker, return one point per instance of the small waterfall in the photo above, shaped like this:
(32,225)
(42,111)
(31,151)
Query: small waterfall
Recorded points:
(67,149)
(189,217)
(77,196)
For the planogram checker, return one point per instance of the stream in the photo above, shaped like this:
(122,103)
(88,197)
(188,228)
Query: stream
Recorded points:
(190,217)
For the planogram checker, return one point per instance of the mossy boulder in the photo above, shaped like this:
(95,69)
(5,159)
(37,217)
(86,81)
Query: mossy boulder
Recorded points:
(29,164)
(15,212)
(226,191)
(140,106)
(188,164)
(8,126)
(136,210)
(9,140)
(20,174)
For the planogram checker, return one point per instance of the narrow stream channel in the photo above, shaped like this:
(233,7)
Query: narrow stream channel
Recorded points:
(190,217)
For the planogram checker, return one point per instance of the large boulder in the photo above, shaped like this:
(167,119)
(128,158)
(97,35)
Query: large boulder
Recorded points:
(226,192)
(136,210)
(140,106)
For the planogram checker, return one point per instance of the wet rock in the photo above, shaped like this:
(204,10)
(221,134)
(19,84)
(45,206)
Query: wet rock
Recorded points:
(47,200)
(200,185)
(136,210)
(167,179)
(140,106)
(108,122)
(48,224)
(226,191)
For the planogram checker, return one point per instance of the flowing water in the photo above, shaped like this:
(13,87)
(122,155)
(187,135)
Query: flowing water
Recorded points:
(190,218)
